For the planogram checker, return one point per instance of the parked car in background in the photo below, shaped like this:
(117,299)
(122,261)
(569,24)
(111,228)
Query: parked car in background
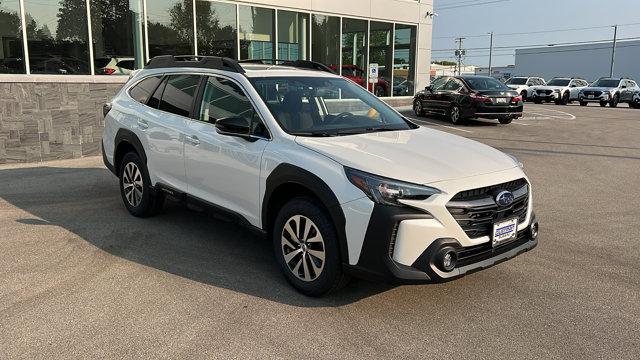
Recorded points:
(469,96)
(114,65)
(359,76)
(559,90)
(402,86)
(635,102)
(610,91)
(523,84)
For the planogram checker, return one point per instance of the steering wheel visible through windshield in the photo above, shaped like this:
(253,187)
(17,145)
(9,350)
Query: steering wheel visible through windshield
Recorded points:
(322,106)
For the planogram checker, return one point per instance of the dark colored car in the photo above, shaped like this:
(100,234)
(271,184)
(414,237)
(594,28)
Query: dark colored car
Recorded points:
(463,97)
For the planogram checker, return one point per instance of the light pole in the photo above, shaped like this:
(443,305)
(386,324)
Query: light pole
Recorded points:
(490,52)
(613,51)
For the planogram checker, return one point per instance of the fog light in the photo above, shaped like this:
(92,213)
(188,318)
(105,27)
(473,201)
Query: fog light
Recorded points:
(447,259)
(533,231)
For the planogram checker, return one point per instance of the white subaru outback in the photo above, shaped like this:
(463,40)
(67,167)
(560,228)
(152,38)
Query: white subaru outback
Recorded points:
(339,181)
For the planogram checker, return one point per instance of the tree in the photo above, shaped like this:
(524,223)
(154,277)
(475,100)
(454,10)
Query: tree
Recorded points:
(446,63)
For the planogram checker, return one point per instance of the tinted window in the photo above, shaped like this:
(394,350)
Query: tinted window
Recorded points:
(517,81)
(142,91)
(11,55)
(126,64)
(438,83)
(606,83)
(325,31)
(154,102)
(256,32)
(178,94)
(217,29)
(452,85)
(222,98)
(404,56)
(170,27)
(485,83)
(558,82)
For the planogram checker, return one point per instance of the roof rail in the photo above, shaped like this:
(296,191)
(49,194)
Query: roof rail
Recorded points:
(207,62)
(301,64)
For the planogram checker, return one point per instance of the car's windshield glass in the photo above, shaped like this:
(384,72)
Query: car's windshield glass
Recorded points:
(321,106)
(559,82)
(517,81)
(485,83)
(606,83)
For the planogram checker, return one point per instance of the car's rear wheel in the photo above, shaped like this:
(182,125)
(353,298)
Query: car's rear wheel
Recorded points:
(565,99)
(379,91)
(523,93)
(417,107)
(505,120)
(135,187)
(306,248)
(614,101)
(455,115)
(603,103)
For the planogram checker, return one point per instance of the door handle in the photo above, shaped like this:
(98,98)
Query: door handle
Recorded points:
(192,139)
(143,124)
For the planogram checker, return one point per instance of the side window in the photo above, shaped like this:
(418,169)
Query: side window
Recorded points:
(154,101)
(452,85)
(178,94)
(438,83)
(143,90)
(222,98)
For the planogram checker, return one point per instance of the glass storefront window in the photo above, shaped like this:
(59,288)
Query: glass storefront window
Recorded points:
(116,28)
(381,53)
(293,35)
(404,60)
(325,45)
(354,50)
(217,29)
(256,32)
(11,53)
(170,27)
(57,36)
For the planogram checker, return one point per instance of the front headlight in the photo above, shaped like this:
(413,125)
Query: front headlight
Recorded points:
(387,191)
(515,159)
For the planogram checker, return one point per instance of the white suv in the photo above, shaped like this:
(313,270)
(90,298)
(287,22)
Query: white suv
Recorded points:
(523,84)
(561,91)
(339,181)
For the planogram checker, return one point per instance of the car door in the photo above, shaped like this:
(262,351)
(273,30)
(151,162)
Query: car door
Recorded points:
(451,93)
(625,91)
(163,126)
(574,89)
(433,95)
(221,169)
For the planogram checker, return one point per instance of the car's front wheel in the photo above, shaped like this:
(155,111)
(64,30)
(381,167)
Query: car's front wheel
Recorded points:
(603,103)
(455,115)
(614,101)
(306,248)
(417,107)
(135,187)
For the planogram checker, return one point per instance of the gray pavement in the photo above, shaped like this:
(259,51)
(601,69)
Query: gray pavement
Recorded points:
(80,278)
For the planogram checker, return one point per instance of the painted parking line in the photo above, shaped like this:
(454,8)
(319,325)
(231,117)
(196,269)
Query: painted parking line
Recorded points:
(547,114)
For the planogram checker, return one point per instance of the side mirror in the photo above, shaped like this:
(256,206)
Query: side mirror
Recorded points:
(574,85)
(623,87)
(234,126)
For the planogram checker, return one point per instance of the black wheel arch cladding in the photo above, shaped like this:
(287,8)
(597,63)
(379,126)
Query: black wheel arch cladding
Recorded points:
(285,174)
(127,136)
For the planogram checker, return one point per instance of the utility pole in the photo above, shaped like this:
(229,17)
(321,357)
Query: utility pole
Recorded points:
(613,51)
(459,54)
(490,52)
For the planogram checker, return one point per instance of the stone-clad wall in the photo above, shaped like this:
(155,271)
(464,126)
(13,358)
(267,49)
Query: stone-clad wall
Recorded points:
(42,121)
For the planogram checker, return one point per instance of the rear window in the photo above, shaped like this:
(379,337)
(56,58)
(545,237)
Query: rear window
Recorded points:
(485,83)
(142,92)
(178,94)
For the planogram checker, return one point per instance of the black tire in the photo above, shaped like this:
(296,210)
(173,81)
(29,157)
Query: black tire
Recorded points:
(505,120)
(455,115)
(635,103)
(565,98)
(603,103)
(138,196)
(523,93)
(583,103)
(537,101)
(331,276)
(615,100)
(417,108)
(379,91)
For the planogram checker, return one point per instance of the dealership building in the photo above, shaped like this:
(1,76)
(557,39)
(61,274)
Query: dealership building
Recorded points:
(54,80)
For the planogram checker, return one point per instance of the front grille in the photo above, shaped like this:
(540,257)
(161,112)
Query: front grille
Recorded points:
(545,92)
(476,211)
(594,93)
(473,254)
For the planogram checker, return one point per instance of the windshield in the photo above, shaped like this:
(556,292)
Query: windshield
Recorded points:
(517,81)
(485,83)
(606,83)
(319,106)
(558,82)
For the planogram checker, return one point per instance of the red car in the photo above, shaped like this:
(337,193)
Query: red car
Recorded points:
(359,76)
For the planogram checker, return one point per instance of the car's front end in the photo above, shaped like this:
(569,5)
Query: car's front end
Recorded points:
(546,93)
(596,94)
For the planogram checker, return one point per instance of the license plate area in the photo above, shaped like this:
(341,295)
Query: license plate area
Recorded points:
(500,100)
(504,231)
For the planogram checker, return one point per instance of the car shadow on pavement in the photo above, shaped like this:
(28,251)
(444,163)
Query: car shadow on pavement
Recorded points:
(188,243)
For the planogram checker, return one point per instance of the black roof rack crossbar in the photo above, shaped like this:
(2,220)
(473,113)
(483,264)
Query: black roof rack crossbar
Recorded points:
(301,64)
(206,62)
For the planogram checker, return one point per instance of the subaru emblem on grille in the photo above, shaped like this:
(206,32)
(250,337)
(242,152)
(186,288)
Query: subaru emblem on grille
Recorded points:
(504,198)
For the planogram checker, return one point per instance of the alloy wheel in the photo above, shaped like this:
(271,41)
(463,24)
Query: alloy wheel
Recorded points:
(455,114)
(303,248)
(417,107)
(132,184)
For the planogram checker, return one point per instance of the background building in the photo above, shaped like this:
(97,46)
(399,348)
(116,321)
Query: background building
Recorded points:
(60,59)
(498,72)
(589,61)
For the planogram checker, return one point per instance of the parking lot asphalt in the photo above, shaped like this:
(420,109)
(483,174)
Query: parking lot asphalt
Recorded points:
(80,278)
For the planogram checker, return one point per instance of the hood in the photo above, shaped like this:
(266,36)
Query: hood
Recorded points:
(548,87)
(605,89)
(419,156)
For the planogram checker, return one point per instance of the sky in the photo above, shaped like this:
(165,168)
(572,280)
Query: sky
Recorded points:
(476,18)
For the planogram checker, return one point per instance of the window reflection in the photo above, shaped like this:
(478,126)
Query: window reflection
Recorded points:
(217,29)
(293,35)
(381,53)
(170,27)
(354,50)
(57,36)
(326,40)
(116,28)
(256,32)
(404,60)
(11,54)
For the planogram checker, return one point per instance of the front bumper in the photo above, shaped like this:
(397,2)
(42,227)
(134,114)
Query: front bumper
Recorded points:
(601,98)
(381,254)
(546,97)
